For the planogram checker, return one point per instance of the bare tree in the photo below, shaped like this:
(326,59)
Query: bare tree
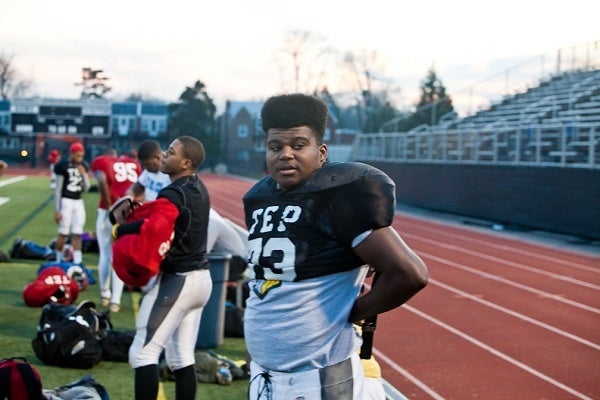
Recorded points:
(308,53)
(11,84)
(366,85)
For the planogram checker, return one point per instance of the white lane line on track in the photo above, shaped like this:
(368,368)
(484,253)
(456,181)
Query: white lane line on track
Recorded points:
(506,262)
(497,353)
(504,247)
(407,374)
(510,283)
(515,314)
(15,179)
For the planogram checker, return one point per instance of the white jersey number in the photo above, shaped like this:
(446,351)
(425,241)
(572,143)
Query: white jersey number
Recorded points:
(282,254)
(125,172)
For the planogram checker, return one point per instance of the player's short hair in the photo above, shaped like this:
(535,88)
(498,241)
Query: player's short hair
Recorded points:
(193,149)
(148,148)
(293,110)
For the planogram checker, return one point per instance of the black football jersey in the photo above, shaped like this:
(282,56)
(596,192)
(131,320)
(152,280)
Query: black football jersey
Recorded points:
(72,179)
(308,231)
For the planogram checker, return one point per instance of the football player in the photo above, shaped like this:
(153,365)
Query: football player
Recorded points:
(313,229)
(115,175)
(169,315)
(152,180)
(71,181)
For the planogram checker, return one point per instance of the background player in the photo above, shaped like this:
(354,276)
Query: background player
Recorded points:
(71,181)
(152,180)
(115,175)
(312,229)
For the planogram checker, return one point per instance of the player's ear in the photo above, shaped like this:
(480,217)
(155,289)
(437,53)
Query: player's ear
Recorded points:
(323,152)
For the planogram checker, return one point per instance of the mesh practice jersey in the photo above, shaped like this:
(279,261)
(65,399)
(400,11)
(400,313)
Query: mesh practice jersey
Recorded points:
(307,275)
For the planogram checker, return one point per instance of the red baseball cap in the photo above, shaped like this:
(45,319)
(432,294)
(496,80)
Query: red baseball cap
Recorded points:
(76,147)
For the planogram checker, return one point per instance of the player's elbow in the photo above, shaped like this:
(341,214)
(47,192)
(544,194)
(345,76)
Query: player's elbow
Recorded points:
(421,272)
(418,276)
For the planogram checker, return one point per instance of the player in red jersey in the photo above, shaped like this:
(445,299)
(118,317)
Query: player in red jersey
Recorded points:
(115,175)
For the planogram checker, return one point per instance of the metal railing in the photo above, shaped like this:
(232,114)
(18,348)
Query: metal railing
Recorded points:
(553,143)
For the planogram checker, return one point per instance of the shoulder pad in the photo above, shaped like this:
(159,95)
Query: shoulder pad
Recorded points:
(340,174)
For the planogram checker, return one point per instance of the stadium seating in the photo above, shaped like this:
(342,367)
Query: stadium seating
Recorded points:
(555,122)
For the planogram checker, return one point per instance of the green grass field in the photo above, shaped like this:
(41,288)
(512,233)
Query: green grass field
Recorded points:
(30,214)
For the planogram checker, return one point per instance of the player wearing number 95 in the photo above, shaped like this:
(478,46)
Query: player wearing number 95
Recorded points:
(313,227)
(115,175)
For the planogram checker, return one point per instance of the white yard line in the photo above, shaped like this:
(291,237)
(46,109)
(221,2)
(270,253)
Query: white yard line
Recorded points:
(12,180)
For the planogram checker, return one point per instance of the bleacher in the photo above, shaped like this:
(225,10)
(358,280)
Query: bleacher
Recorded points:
(555,122)
(571,96)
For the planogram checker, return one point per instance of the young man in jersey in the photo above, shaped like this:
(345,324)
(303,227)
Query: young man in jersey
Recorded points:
(152,180)
(115,175)
(169,315)
(313,229)
(71,181)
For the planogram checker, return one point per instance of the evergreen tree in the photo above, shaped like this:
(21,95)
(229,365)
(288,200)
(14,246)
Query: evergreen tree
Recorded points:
(194,115)
(434,102)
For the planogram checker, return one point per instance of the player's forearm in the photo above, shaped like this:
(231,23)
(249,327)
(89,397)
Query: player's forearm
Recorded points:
(390,291)
(104,193)
(127,229)
(58,192)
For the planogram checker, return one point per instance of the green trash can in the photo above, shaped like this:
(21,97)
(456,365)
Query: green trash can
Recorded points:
(212,323)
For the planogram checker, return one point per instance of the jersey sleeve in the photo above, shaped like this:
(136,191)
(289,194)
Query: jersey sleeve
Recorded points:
(173,195)
(365,203)
(98,164)
(144,178)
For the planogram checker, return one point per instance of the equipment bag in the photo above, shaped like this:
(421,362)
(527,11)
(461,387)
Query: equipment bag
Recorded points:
(70,337)
(115,345)
(85,388)
(19,380)
(30,250)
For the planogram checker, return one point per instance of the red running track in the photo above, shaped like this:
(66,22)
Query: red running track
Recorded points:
(502,317)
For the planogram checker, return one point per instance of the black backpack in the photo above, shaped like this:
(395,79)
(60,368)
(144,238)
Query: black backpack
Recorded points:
(115,345)
(70,336)
(30,250)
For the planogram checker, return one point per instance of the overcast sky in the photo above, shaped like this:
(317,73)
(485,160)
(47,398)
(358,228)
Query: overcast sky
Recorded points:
(159,47)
